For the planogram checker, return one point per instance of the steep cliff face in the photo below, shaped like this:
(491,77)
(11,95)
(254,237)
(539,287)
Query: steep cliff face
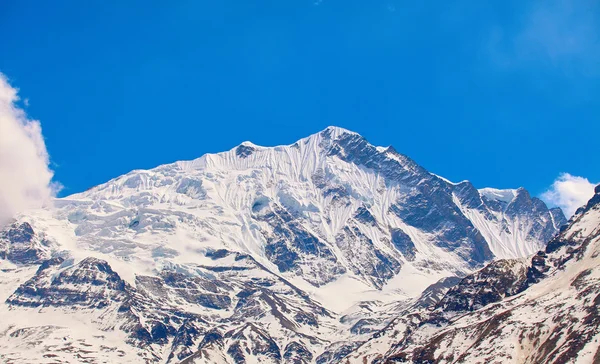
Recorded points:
(293,253)
(19,243)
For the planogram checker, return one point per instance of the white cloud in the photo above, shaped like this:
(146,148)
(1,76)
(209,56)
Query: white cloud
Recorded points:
(569,193)
(25,176)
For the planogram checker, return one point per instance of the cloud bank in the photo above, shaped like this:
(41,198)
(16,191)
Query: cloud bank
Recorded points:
(25,175)
(569,193)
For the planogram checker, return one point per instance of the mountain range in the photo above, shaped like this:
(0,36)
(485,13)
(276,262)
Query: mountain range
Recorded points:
(328,250)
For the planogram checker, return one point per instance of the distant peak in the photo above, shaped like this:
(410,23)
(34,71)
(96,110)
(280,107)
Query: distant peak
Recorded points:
(523,193)
(447,180)
(499,195)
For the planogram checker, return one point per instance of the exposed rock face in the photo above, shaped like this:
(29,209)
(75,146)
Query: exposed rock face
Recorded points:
(20,244)
(151,313)
(91,283)
(404,244)
(296,353)
(500,279)
(292,248)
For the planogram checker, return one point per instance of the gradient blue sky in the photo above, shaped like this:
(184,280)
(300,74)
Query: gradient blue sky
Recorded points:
(502,93)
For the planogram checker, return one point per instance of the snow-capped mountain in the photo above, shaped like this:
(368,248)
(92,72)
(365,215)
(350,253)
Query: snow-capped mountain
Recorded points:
(293,254)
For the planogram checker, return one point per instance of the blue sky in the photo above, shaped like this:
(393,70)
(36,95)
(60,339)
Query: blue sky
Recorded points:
(502,93)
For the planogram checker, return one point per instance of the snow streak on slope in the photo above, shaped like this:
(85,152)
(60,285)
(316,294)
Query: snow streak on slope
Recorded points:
(513,233)
(257,253)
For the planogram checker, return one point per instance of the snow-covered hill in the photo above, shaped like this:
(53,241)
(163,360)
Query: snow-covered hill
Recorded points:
(255,254)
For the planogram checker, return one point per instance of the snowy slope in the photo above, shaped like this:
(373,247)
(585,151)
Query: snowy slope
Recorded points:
(546,310)
(512,222)
(256,253)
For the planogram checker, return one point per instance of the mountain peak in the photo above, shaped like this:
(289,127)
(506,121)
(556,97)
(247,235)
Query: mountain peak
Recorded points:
(337,131)
(329,133)
(499,195)
(248,143)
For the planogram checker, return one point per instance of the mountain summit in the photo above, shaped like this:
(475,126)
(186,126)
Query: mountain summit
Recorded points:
(254,252)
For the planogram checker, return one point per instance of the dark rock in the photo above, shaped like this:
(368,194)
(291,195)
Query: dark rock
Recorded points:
(499,279)
(184,340)
(291,244)
(364,216)
(365,259)
(72,286)
(159,333)
(19,244)
(257,340)
(335,353)
(217,254)
(244,151)
(361,326)
(404,244)
(296,353)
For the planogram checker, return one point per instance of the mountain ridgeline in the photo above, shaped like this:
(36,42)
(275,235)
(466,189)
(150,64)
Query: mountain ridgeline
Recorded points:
(323,251)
